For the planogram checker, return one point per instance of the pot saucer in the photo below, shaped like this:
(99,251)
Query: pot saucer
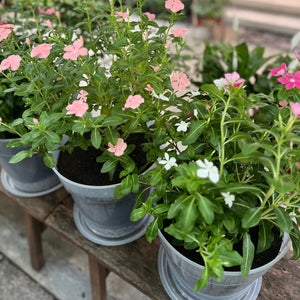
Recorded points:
(185,292)
(9,185)
(100,239)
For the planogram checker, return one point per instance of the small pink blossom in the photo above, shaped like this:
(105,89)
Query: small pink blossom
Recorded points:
(134,101)
(57,14)
(283,103)
(179,32)
(77,108)
(35,121)
(27,41)
(149,88)
(119,148)
(174,5)
(155,68)
(59,78)
(234,79)
(279,71)
(297,55)
(146,35)
(150,16)
(82,95)
(208,106)
(123,16)
(41,10)
(75,50)
(49,11)
(42,50)
(295,108)
(290,80)
(179,81)
(169,44)
(5,30)
(49,23)
(12,62)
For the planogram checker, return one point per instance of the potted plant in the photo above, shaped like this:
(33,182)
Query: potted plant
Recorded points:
(30,177)
(226,187)
(96,95)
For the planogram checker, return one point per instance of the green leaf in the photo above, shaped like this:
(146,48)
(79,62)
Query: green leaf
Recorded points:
(248,255)
(112,135)
(295,237)
(229,258)
(195,129)
(49,160)
(152,230)
(252,217)
(206,209)
(96,138)
(265,236)
(205,275)
(138,214)
(281,185)
(20,156)
(213,91)
(112,121)
(109,165)
(126,185)
(159,136)
(283,219)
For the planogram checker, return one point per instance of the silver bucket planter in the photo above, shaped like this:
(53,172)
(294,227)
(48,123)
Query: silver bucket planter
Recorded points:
(28,178)
(179,276)
(100,217)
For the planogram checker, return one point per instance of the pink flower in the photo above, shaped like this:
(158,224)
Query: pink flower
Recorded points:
(75,50)
(41,10)
(283,103)
(119,148)
(174,5)
(169,44)
(77,108)
(50,11)
(290,80)
(57,13)
(234,79)
(42,51)
(149,88)
(82,95)
(49,23)
(155,68)
(295,109)
(12,62)
(35,121)
(179,81)
(5,30)
(179,32)
(122,15)
(27,41)
(150,16)
(134,101)
(279,71)
(297,55)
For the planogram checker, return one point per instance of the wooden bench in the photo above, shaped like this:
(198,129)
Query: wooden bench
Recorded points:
(135,262)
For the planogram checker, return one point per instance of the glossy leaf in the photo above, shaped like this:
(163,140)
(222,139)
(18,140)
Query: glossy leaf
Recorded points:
(283,219)
(205,208)
(265,236)
(248,255)
(252,217)
(195,129)
(96,138)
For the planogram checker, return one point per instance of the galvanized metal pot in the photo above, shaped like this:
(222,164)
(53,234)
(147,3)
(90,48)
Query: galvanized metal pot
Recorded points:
(100,217)
(179,276)
(28,178)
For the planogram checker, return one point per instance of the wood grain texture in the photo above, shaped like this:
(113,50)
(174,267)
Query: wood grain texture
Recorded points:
(38,207)
(135,262)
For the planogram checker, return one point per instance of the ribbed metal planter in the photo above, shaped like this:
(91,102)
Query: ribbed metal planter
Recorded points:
(28,178)
(179,276)
(100,217)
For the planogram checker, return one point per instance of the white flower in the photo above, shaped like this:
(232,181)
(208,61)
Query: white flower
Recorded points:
(163,97)
(95,113)
(220,83)
(169,162)
(228,198)
(182,126)
(195,93)
(208,170)
(195,112)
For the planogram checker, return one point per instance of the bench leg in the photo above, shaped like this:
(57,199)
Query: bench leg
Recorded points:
(34,229)
(98,275)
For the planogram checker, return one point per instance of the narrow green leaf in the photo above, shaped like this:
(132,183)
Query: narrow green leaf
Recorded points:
(112,121)
(205,275)
(20,156)
(111,135)
(138,214)
(126,185)
(248,255)
(206,209)
(230,258)
(213,91)
(152,230)
(283,219)
(96,138)
(295,237)
(195,129)
(265,236)
(252,217)
(109,165)
(49,160)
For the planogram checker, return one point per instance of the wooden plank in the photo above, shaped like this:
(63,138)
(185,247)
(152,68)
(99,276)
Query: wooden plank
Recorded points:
(135,262)
(38,207)
(34,230)
(98,275)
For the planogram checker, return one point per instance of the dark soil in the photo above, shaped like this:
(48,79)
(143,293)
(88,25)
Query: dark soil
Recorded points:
(260,259)
(8,135)
(81,165)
